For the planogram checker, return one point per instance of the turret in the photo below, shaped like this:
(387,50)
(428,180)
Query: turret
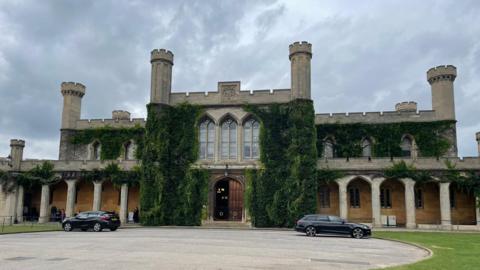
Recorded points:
(161,81)
(72,103)
(478,142)
(300,57)
(407,106)
(441,79)
(16,153)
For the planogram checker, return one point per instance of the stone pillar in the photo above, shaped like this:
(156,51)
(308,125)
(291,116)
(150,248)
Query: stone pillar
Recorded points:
(445,215)
(161,80)
(44,205)
(71,193)
(377,221)
(300,58)
(477,206)
(342,195)
(20,196)
(11,206)
(97,195)
(124,204)
(409,185)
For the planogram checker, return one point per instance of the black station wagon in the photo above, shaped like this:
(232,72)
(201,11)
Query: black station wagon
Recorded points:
(96,220)
(312,225)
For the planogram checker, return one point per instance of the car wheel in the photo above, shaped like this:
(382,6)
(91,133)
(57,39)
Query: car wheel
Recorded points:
(357,233)
(310,231)
(97,227)
(113,229)
(67,227)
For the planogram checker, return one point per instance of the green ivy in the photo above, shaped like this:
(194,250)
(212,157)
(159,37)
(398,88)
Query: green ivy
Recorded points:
(285,188)
(429,137)
(326,176)
(111,139)
(403,170)
(112,172)
(171,191)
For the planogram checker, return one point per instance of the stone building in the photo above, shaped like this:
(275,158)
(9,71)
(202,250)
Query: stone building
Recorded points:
(229,143)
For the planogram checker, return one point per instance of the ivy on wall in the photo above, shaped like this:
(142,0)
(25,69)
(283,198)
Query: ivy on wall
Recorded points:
(386,137)
(111,139)
(112,172)
(39,175)
(285,188)
(171,191)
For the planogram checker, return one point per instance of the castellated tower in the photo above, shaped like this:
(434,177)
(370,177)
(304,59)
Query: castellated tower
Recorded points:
(441,79)
(16,153)
(478,142)
(72,103)
(300,57)
(161,81)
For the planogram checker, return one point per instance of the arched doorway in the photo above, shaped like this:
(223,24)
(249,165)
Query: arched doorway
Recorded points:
(359,196)
(228,199)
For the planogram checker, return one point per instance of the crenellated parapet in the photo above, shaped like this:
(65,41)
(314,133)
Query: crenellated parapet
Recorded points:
(161,55)
(72,88)
(120,115)
(300,47)
(407,106)
(375,117)
(114,123)
(442,73)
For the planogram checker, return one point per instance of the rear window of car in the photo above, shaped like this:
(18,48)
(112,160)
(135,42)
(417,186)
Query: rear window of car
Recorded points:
(309,218)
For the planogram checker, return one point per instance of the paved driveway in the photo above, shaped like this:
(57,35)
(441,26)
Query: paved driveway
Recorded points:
(165,248)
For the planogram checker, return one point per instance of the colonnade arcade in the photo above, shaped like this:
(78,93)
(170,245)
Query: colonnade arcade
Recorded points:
(72,196)
(398,202)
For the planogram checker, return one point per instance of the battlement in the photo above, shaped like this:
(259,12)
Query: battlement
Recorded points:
(300,47)
(115,123)
(407,106)
(232,97)
(120,115)
(17,142)
(72,88)
(375,117)
(161,55)
(442,73)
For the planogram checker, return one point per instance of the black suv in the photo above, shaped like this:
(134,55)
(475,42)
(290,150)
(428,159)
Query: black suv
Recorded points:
(312,225)
(96,220)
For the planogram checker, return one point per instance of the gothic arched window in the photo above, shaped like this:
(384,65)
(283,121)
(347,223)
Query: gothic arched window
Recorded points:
(251,130)
(96,150)
(129,149)
(366,147)
(207,139)
(406,146)
(328,148)
(229,139)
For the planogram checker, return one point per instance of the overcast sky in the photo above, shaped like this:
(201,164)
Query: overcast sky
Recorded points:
(367,56)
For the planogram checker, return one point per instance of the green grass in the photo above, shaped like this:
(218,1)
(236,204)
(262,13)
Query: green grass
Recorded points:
(29,228)
(450,250)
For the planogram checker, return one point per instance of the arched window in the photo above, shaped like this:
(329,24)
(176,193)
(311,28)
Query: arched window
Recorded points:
(96,150)
(328,148)
(207,139)
(229,139)
(251,130)
(366,147)
(406,146)
(129,149)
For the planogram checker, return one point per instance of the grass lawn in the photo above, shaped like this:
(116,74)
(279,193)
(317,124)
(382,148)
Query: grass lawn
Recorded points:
(450,250)
(29,228)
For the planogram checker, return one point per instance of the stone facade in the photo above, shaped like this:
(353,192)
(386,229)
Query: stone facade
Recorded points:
(361,195)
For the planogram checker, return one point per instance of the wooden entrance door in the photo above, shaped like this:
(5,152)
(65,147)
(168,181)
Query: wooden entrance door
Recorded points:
(235,200)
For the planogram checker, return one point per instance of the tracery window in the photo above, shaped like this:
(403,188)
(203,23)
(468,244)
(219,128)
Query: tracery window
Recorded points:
(251,130)
(328,151)
(207,139)
(406,146)
(129,149)
(366,147)
(229,139)
(96,151)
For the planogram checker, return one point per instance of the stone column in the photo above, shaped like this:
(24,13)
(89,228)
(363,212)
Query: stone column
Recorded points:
(20,196)
(376,222)
(11,206)
(445,215)
(478,210)
(97,195)
(71,193)
(409,185)
(123,203)
(342,195)
(44,204)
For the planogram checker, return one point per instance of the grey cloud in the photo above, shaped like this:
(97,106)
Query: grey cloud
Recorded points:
(367,55)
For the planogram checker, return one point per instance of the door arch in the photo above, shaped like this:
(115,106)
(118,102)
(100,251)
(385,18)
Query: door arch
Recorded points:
(228,200)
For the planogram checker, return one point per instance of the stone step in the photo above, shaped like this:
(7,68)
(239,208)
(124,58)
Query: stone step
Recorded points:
(227,224)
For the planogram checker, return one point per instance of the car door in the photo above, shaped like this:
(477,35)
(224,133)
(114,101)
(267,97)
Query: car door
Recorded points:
(79,220)
(91,219)
(338,225)
(321,224)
